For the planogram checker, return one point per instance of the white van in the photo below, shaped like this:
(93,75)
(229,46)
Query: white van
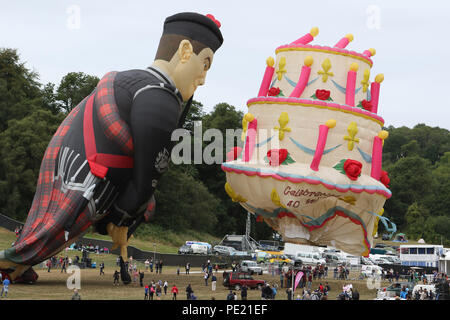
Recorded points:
(199,248)
(309,258)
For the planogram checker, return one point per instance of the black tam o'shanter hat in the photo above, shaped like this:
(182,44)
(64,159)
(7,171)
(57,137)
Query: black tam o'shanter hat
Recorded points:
(204,29)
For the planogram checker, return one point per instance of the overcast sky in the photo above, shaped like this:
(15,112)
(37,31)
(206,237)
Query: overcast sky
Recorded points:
(95,37)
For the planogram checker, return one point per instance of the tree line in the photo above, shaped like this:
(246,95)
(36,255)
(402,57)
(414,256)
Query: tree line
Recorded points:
(193,196)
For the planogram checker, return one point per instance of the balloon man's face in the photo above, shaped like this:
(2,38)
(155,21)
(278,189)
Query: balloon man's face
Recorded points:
(191,71)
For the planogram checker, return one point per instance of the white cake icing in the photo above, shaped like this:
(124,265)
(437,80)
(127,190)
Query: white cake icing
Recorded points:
(305,205)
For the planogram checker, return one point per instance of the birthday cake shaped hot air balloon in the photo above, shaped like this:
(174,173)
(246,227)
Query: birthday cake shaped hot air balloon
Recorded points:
(310,166)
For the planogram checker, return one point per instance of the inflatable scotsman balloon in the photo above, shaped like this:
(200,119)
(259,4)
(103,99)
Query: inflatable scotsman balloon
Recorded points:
(102,165)
(313,139)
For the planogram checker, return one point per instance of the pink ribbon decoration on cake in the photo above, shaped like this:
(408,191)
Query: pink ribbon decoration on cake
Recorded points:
(375,92)
(351,85)
(303,79)
(321,142)
(344,41)
(250,141)
(268,74)
(307,38)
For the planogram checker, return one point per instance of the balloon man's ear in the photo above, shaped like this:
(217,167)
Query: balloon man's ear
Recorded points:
(185,51)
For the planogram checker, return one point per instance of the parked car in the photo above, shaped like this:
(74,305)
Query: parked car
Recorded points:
(251,267)
(235,280)
(331,258)
(199,248)
(366,261)
(262,257)
(296,262)
(238,253)
(429,287)
(281,259)
(310,258)
(371,270)
(185,249)
(394,289)
(223,250)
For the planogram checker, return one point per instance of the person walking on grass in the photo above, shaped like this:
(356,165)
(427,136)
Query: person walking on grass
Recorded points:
(244,292)
(157,266)
(174,292)
(5,288)
(158,292)
(165,287)
(141,278)
(116,277)
(76,295)
(189,291)
(64,265)
(188,267)
(146,293)
(213,282)
(152,291)
(102,267)
(160,266)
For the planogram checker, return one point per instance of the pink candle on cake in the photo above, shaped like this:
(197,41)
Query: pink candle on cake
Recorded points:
(303,79)
(377,154)
(321,142)
(351,85)
(307,38)
(375,92)
(250,140)
(369,53)
(344,41)
(264,88)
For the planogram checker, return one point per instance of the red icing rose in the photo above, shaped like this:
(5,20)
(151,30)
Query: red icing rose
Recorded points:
(233,153)
(277,156)
(384,179)
(214,19)
(352,168)
(322,94)
(273,92)
(366,105)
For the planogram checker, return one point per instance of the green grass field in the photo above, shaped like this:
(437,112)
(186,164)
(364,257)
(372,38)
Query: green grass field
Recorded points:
(53,285)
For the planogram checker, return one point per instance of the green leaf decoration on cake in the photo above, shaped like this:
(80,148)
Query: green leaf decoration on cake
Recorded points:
(340,166)
(280,94)
(359,105)
(288,160)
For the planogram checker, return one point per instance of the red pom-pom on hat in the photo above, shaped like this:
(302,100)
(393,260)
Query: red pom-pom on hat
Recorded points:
(217,22)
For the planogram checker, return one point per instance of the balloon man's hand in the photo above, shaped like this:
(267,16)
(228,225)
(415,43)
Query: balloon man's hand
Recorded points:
(119,238)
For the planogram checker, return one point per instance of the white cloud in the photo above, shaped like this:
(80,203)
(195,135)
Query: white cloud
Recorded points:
(411,43)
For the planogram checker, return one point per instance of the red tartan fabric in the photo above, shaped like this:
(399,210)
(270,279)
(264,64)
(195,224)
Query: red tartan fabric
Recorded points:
(43,232)
(113,126)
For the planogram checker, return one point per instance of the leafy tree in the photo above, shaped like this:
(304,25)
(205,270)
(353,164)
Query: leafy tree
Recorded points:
(196,113)
(415,217)
(22,146)
(74,87)
(411,179)
(19,89)
(184,203)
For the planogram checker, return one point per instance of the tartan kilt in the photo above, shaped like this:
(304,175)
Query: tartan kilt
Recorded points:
(57,198)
